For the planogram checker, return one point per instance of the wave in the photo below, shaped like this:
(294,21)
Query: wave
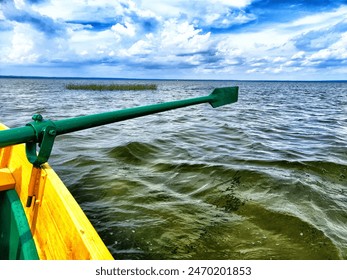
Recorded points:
(133,152)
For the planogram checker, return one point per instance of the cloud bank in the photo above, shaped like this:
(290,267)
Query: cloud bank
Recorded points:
(216,39)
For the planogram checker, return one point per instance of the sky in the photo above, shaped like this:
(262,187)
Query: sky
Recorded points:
(167,39)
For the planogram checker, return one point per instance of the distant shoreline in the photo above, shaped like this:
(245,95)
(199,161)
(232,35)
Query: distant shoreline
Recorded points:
(158,79)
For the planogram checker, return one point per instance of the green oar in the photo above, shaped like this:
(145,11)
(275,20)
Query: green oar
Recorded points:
(44,132)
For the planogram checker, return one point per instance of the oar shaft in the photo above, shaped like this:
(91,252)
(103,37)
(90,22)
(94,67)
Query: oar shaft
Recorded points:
(17,135)
(84,122)
(45,131)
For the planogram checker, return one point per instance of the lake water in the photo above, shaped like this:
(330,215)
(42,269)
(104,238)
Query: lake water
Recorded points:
(264,178)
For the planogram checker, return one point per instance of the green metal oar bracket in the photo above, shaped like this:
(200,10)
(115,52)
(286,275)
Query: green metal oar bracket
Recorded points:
(43,132)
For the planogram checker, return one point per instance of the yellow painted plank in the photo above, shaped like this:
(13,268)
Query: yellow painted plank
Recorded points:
(5,154)
(7,181)
(60,228)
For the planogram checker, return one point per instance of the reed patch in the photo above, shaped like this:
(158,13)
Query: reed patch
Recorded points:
(111,87)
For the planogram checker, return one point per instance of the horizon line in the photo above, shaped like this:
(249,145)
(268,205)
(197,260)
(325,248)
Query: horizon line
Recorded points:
(157,79)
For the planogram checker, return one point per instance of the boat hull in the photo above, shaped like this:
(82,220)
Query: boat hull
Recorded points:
(60,229)
(16,241)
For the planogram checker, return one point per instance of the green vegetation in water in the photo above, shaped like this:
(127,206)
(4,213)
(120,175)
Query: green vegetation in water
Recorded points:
(111,87)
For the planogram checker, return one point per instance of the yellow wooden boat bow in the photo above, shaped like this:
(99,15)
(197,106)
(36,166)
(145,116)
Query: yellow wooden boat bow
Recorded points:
(59,227)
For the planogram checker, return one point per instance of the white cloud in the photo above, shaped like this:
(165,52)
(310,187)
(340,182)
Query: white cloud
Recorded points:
(321,20)
(232,3)
(337,51)
(217,13)
(57,9)
(120,30)
(164,8)
(140,47)
(182,36)
(298,55)
(19,4)
(81,10)
(22,48)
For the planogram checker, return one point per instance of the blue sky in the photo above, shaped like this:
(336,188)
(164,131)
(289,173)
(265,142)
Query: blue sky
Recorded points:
(216,39)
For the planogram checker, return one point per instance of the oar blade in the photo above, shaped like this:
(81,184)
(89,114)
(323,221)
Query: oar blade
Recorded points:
(223,96)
